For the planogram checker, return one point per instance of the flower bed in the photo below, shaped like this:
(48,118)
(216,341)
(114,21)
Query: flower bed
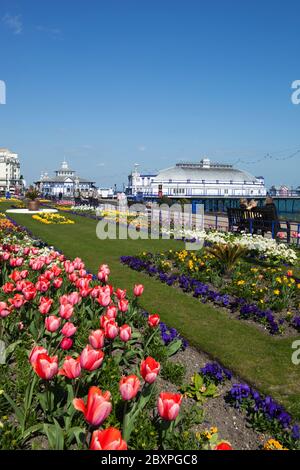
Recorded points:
(266,294)
(83,337)
(50,218)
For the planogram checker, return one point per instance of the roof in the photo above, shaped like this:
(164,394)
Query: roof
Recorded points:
(62,179)
(198,172)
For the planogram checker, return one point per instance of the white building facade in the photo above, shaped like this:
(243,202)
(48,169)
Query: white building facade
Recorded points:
(192,180)
(9,171)
(65,182)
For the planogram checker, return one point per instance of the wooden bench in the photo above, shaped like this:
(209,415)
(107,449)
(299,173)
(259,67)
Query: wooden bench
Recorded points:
(257,220)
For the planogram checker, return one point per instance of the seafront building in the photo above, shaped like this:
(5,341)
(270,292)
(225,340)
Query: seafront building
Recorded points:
(10,177)
(196,179)
(65,182)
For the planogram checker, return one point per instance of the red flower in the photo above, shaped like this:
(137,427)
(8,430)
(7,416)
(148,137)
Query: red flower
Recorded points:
(103,273)
(45,305)
(123,305)
(57,282)
(111,311)
(34,354)
(4,310)
(66,344)
(29,292)
(129,386)
(111,329)
(52,323)
(153,320)
(17,301)
(138,290)
(71,368)
(223,446)
(69,329)
(98,406)
(46,367)
(108,439)
(96,339)
(8,287)
(66,311)
(149,369)
(104,297)
(121,294)
(91,359)
(125,333)
(169,405)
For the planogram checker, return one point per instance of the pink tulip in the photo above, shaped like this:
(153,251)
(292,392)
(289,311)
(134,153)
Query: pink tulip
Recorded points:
(46,367)
(96,339)
(52,323)
(121,294)
(91,359)
(45,305)
(66,311)
(74,298)
(169,405)
(123,305)
(129,387)
(125,333)
(71,368)
(111,329)
(66,344)
(4,310)
(111,312)
(153,320)
(149,369)
(34,354)
(69,329)
(98,406)
(138,290)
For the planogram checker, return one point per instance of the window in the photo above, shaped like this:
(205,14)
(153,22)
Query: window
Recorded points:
(170,181)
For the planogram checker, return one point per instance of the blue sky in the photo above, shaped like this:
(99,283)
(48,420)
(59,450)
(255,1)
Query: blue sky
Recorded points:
(107,83)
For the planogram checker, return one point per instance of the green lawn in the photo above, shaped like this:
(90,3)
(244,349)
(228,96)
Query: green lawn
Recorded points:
(258,358)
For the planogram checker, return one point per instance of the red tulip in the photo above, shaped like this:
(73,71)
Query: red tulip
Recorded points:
(123,305)
(42,285)
(15,276)
(96,339)
(74,298)
(17,301)
(66,311)
(69,329)
(71,368)
(111,329)
(46,367)
(104,297)
(168,405)
(98,406)
(125,333)
(8,287)
(91,359)
(45,305)
(57,282)
(103,320)
(103,273)
(223,446)
(111,311)
(4,310)
(108,439)
(66,344)
(121,294)
(29,292)
(153,320)
(129,387)
(35,353)
(138,290)
(52,323)
(69,267)
(149,369)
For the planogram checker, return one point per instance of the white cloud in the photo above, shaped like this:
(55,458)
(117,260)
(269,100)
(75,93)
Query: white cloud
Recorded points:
(142,148)
(13,22)
(55,32)
(100,164)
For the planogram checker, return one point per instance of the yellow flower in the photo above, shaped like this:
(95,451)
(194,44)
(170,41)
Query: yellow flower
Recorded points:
(276,292)
(240,283)
(272,444)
